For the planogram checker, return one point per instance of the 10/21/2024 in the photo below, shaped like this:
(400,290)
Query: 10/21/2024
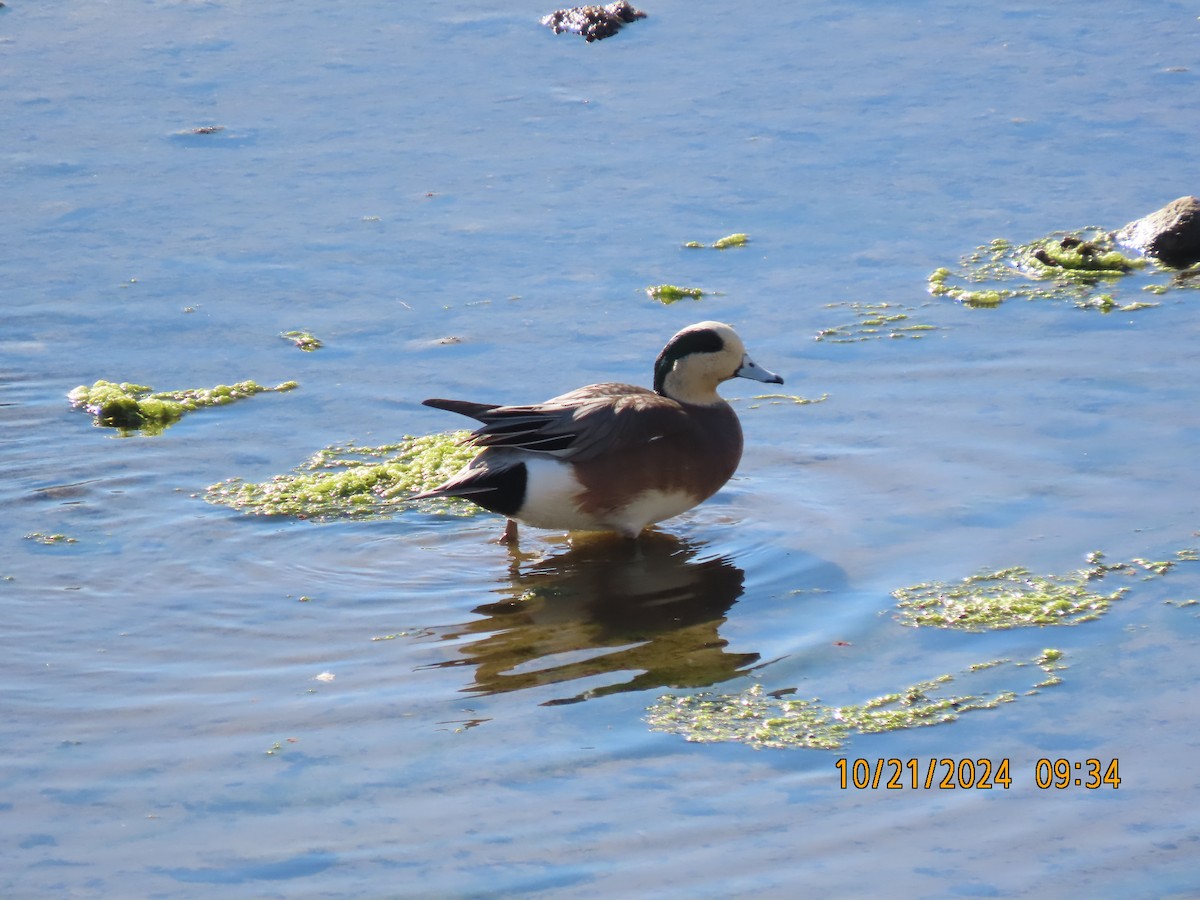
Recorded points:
(977,774)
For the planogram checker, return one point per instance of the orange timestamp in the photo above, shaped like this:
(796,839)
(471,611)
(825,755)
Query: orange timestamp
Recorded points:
(972,774)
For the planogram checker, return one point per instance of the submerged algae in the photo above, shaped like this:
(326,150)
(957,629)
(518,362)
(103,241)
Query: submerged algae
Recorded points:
(784,399)
(1051,663)
(874,321)
(1015,598)
(1006,598)
(1182,604)
(762,719)
(137,407)
(50,539)
(354,482)
(1106,303)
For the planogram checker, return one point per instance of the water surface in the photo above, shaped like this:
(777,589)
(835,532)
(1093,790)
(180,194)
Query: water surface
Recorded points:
(389,178)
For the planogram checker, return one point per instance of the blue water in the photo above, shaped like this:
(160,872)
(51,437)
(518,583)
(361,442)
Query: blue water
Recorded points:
(198,700)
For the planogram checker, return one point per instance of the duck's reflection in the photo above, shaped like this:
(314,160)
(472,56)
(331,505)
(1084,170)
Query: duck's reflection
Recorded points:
(628,615)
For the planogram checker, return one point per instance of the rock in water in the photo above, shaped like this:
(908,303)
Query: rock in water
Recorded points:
(593,22)
(1172,234)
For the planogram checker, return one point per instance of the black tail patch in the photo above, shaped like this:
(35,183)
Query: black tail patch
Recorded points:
(500,490)
(503,490)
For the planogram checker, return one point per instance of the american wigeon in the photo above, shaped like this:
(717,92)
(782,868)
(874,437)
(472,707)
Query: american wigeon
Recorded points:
(612,457)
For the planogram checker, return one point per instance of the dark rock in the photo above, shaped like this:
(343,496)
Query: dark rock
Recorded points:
(593,22)
(1172,234)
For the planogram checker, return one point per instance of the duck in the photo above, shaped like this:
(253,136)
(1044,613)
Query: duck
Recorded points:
(611,457)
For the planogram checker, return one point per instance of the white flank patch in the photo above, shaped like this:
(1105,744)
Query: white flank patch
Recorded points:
(551,497)
(551,501)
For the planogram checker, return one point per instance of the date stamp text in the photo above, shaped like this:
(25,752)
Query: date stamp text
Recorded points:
(982,774)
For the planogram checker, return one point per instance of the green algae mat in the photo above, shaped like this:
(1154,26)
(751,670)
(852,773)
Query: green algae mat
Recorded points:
(1006,598)
(760,719)
(1084,267)
(1014,597)
(349,481)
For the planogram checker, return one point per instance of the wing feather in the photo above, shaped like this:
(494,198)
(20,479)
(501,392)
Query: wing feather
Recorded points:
(579,425)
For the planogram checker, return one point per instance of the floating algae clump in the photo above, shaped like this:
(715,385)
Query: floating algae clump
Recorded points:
(769,720)
(1007,598)
(667,294)
(305,340)
(353,482)
(730,240)
(136,407)
(1059,266)
(1073,257)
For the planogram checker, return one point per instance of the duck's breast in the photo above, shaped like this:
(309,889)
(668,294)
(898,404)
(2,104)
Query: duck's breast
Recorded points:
(668,473)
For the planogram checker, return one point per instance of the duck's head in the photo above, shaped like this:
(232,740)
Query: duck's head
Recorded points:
(699,358)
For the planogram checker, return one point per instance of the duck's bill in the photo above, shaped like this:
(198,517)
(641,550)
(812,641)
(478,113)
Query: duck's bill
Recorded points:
(752,370)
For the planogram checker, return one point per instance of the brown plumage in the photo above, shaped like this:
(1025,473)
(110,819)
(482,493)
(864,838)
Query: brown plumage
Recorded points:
(612,457)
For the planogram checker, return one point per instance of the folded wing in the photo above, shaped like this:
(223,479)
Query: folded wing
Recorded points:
(577,426)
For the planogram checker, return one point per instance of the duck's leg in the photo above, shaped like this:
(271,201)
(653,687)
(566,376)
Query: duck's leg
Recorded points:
(510,533)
